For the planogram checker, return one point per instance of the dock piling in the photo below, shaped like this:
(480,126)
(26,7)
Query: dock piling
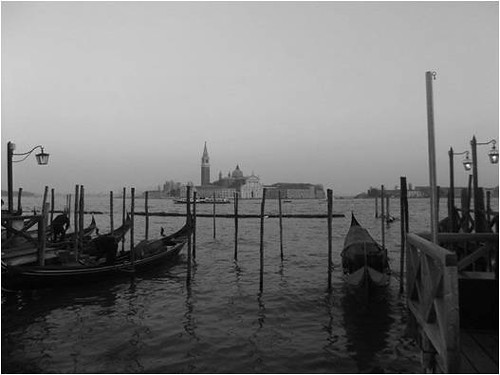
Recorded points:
(383,215)
(75,219)
(235,226)
(262,208)
(329,193)
(124,194)
(403,200)
(132,209)
(281,224)
(111,212)
(213,212)
(194,224)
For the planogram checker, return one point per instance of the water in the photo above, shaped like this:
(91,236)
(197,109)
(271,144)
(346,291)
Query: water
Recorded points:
(220,322)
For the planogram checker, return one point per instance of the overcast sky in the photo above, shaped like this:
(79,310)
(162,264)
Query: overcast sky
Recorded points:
(125,94)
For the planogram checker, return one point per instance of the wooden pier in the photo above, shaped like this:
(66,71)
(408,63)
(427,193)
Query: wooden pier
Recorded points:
(452,300)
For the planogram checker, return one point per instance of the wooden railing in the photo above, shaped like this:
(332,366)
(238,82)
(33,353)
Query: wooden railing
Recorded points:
(432,299)
(13,236)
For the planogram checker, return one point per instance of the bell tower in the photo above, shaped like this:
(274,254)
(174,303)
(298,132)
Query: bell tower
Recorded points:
(205,167)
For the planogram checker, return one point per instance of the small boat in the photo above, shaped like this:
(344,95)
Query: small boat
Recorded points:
(364,261)
(146,255)
(204,201)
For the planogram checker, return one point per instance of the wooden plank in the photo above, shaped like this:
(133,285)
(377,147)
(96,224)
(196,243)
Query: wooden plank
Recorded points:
(478,358)
(488,341)
(477,275)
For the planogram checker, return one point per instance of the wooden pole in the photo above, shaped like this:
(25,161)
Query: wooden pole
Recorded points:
(75,218)
(235,226)
(376,206)
(194,224)
(432,156)
(69,206)
(41,231)
(132,209)
(329,193)
(19,205)
(52,194)
(188,218)
(281,224)
(124,194)
(488,208)
(387,213)
(451,194)
(111,212)
(146,210)
(383,215)
(402,199)
(80,222)
(262,207)
(213,211)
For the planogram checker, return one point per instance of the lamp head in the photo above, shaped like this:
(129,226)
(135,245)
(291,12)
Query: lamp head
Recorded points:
(467,162)
(42,158)
(493,154)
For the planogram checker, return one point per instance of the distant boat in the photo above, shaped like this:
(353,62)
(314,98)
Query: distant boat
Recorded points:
(287,201)
(364,261)
(203,201)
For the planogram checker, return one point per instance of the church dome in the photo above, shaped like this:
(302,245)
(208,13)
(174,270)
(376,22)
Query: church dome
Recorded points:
(237,173)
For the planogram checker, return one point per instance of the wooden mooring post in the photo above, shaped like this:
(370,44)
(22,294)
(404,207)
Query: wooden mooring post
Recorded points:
(111,212)
(387,211)
(262,209)
(235,226)
(376,206)
(52,205)
(75,219)
(19,205)
(281,224)
(383,215)
(189,220)
(403,200)
(146,210)
(132,208)
(194,224)
(213,212)
(329,193)
(80,218)
(42,237)
(124,194)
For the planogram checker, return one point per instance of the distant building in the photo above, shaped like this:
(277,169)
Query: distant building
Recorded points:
(247,187)
(295,191)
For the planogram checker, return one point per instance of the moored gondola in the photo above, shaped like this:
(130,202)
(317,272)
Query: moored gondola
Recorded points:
(147,254)
(364,261)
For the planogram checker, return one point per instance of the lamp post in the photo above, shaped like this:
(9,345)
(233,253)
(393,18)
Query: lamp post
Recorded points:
(467,166)
(493,156)
(42,158)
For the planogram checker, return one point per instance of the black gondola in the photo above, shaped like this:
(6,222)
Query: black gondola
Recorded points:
(147,254)
(364,261)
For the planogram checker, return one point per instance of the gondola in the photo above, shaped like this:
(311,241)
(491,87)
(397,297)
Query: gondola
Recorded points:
(147,254)
(364,261)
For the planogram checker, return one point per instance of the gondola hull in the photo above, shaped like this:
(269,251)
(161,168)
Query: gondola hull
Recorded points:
(147,255)
(364,261)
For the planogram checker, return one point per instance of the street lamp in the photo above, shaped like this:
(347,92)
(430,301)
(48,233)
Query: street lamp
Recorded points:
(42,158)
(467,166)
(493,155)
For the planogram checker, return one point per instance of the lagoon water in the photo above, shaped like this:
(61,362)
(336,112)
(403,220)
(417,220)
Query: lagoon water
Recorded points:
(220,322)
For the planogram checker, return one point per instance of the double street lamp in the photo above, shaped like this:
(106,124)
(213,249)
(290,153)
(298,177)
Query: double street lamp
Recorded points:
(42,158)
(493,156)
(471,165)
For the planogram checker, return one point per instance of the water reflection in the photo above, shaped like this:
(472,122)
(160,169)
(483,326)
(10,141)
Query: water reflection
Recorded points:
(367,321)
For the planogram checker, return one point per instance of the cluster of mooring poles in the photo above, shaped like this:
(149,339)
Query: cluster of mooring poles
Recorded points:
(262,216)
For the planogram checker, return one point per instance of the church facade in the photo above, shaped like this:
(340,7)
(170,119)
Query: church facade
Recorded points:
(247,187)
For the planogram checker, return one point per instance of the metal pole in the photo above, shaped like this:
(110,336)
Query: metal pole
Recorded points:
(475,184)
(429,76)
(451,194)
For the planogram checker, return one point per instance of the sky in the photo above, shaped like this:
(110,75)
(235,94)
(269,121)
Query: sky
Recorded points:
(125,94)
